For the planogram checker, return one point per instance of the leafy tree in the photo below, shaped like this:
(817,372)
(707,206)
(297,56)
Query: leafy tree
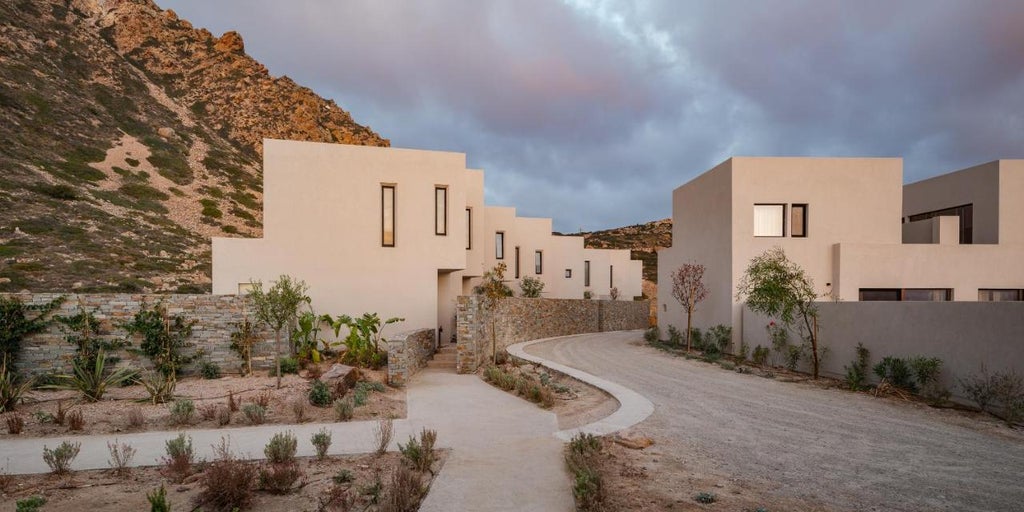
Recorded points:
(492,289)
(19,320)
(163,338)
(777,287)
(276,307)
(83,331)
(531,287)
(688,288)
(242,340)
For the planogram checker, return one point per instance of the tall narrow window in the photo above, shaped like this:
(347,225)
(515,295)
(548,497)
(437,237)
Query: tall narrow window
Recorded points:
(440,210)
(611,276)
(517,262)
(469,228)
(798,220)
(499,245)
(387,217)
(538,262)
(586,273)
(769,219)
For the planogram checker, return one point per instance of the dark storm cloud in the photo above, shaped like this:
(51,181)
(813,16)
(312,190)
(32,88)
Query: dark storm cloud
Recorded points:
(592,111)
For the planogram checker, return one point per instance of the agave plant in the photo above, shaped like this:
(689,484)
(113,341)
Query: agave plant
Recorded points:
(159,386)
(93,382)
(11,390)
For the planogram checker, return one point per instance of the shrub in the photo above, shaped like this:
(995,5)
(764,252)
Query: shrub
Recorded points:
(288,365)
(793,353)
(163,337)
(158,500)
(404,492)
(135,418)
(120,457)
(223,416)
(159,386)
(383,433)
(321,441)
(706,498)
(209,370)
(697,338)
(255,414)
(370,385)
(531,287)
(338,497)
(979,388)
(343,476)
(262,399)
(61,415)
(857,371)
(419,453)
(278,478)
(926,372)
(12,388)
(179,457)
(227,484)
(299,410)
(75,420)
(359,397)
(674,336)
(243,339)
(1008,390)
(652,335)
(30,504)
(343,409)
(208,411)
(320,393)
(614,293)
(718,338)
(896,372)
(588,486)
(744,351)
(15,424)
(760,355)
(182,411)
(59,459)
(281,447)
(232,404)
(92,380)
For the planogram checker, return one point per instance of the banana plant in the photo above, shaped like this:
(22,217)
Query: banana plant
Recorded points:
(364,337)
(307,334)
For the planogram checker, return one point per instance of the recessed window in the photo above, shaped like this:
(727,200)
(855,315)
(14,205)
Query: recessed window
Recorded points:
(244,288)
(1000,295)
(966,214)
(906,294)
(499,245)
(517,261)
(568,273)
(611,276)
(798,220)
(538,262)
(387,217)
(769,220)
(469,228)
(586,273)
(440,210)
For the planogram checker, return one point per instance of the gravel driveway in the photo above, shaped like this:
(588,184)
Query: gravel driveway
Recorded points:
(844,450)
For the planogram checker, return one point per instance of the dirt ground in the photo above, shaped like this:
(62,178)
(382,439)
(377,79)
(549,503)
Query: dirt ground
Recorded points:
(101,490)
(110,415)
(761,443)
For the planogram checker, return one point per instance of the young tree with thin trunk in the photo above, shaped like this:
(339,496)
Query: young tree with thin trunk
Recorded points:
(492,289)
(688,288)
(777,287)
(276,307)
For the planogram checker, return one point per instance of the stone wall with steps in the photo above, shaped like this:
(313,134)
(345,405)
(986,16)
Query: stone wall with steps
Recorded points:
(407,353)
(521,319)
(216,317)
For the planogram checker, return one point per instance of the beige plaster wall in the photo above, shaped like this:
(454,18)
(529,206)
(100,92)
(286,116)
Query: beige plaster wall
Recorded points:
(978,185)
(626,276)
(1011,204)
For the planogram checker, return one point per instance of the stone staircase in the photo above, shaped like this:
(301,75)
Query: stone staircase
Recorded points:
(444,358)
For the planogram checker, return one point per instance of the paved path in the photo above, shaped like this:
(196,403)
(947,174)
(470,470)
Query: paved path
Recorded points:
(504,455)
(848,450)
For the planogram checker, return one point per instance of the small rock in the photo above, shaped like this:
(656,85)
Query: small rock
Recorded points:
(165,132)
(5,280)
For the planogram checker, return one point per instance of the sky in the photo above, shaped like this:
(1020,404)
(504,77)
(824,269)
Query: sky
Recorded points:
(591,111)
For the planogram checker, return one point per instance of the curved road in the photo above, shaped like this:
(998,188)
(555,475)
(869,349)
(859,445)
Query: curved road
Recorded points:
(843,450)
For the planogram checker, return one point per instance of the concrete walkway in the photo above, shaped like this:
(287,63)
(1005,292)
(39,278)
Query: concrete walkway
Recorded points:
(504,455)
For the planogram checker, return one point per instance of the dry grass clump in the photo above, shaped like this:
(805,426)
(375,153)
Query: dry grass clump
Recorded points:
(179,457)
(384,432)
(135,418)
(227,484)
(75,420)
(121,455)
(15,424)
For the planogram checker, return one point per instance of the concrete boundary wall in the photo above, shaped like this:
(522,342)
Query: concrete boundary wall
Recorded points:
(407,353)
(521,319)
(216,317)
(965,335)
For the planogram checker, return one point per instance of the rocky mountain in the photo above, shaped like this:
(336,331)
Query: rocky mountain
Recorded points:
(643,241)
(130,138)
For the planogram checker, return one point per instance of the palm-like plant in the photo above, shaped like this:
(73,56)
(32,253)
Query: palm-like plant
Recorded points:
(93,382)
(11,387)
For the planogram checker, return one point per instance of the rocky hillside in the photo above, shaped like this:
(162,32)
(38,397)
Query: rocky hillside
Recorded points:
(643,241)
(129,139)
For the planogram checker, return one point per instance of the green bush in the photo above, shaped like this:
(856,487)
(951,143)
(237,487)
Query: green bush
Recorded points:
(760,355)
(652,335)
(588,485)
(158,500)
(706,498)
(857,371)
(182,411)
(256,414)
(896,372)
(793,353)
(281,448)
(12,388)
(209,370)
(59,459)
(531,287)
(30,504)
(319,393)
(343,476)
(92,380)
(179,456)
(674,336)
(288,365)
(343,409)
(322,442)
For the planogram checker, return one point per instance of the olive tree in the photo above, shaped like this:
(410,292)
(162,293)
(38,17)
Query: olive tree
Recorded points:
(777,287)
(688,288)
(492,289)
(276,307)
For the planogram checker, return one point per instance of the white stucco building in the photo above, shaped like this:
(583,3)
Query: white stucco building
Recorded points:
(403,233)
(853,226)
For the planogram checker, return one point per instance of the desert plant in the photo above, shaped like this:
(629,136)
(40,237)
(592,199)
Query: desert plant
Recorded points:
(255,414)
(160,387)
(30,504)
(979,388)
(697,338)
(209,370)
(857,371)
(223,416)
(384,432)
(371,385)
(716,340)
(158,500)
(366,333)
(794,353)
(61,415)
(262,399)
(404,491)
(163,337)
(279,478)
(652,335)
(59,459)
(135,418)
(322,442)
(76,421)
(706,498)
(246,336)
(343,476)
(182,411)
(15,424)
(227,484)
(492,289)
(83,331)
(276,307)
(614,293)
(281,448)
(338,498)
(896,372)
(587,294)
(588,486)
(299,410)
(289,365)
(926,371)
(688,289)
(232,403)
(744,353)
(319,393)
(531,287)
(419,453)
(208,411)
(18,320)
(760,355)
(777,287)
(675,338)
(180,456)
(1008,390)
(121,455)
(92,381)
(343,409)
(359,396)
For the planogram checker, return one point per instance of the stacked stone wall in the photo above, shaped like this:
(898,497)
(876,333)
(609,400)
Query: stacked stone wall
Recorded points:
(215,316)
(407,353)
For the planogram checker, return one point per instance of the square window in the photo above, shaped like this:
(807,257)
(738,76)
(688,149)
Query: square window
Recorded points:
(769,220)
(568,273)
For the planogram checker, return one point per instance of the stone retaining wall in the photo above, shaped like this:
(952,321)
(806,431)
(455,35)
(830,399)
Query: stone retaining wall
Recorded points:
(407,353)
(521,319)
(215,316)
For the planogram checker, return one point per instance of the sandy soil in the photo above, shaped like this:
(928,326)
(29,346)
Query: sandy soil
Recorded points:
(576,403)
(104,491)
(758,442)
(111,414)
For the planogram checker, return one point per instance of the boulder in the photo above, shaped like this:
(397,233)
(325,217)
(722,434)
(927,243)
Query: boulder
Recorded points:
(347,374)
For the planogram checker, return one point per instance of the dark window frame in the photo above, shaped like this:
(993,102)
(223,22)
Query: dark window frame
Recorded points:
(538,262)
(965,212)
(444,225)
(900,294)
(1019,293)
(499,248)
(517,261)
(783,235)
(383,214)
(611,276)
(469,229)
(803,225)
(568,273)
(586,273)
